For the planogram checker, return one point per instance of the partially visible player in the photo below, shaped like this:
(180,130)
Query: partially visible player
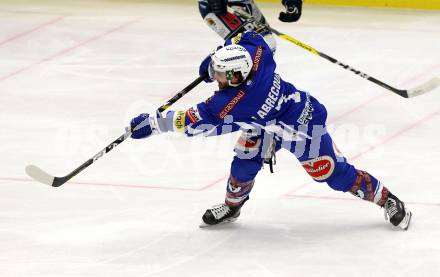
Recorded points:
(273,114)
(223,22)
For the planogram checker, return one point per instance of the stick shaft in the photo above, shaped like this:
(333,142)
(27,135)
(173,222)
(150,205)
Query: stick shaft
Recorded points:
(58,181)
(312,50)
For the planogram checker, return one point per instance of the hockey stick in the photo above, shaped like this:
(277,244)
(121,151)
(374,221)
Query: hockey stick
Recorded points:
(42,176)
(418,90)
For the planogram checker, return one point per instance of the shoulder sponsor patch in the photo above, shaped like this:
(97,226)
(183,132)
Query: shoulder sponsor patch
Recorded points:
(257,58)
(193,115)
(231,104)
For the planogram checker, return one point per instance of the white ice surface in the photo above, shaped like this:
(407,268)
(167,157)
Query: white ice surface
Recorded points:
(71,77)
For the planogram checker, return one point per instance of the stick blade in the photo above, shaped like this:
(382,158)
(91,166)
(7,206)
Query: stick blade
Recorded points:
(39,175)
(425,87)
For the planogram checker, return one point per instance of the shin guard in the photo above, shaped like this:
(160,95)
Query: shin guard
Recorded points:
(237,192)
(369,188)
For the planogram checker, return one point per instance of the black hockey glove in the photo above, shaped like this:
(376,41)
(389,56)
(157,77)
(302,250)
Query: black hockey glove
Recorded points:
(293,10)
(218,7)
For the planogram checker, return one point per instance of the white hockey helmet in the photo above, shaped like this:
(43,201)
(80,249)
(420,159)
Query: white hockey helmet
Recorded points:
(230,59)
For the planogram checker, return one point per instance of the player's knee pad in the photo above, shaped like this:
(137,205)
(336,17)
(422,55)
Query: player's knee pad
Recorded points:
(223,25)
(237,192)
(369,188)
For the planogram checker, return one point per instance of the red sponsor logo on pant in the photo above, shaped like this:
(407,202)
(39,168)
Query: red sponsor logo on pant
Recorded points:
(320,168)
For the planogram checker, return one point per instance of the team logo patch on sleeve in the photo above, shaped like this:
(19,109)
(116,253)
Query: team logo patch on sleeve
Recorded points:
(320,168)
(231,104)
(179,121)
(193,115)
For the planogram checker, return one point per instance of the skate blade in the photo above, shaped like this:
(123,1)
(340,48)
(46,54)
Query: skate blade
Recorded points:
(229,220)
(406,221)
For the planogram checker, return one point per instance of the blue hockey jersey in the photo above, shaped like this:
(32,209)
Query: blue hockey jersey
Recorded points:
(263,101)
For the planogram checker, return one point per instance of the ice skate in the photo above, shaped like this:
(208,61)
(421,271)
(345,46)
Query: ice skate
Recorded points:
(220,214)
(396,213)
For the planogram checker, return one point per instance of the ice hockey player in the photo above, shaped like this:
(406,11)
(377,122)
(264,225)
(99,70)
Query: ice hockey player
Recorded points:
(272,114)
(216,15)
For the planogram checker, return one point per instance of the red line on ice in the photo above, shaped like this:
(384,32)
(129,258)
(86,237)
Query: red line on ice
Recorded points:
(208,185)
(39,27)
(67,50)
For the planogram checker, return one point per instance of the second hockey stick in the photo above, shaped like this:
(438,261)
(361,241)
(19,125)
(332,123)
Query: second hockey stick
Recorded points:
(418,90)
